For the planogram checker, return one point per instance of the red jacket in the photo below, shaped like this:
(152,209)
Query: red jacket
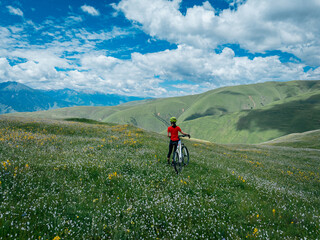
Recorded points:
(174,133)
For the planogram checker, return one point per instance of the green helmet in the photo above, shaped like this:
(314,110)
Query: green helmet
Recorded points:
(173,120)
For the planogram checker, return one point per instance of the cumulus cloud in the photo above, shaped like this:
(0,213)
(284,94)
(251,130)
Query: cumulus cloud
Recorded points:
(145,74)
(90,10)
(15,11)
(257,25)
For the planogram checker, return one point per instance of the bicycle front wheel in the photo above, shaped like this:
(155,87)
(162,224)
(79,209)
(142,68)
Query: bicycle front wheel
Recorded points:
(177,163)
(185,154)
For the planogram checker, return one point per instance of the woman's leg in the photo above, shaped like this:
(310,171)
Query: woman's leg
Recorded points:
(170,151)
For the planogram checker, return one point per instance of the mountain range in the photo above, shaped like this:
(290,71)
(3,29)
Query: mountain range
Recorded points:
(17,97)
(251,114)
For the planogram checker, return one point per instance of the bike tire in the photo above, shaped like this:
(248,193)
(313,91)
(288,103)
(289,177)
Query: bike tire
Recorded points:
(185,154)
(176,163)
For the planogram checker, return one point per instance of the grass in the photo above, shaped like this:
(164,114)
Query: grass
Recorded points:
(85,180)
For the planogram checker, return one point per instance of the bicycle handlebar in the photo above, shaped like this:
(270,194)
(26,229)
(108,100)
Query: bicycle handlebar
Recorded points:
(184,135)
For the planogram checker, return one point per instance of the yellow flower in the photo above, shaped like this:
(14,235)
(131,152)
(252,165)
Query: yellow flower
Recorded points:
(56,238)
(257,215)
(273,211)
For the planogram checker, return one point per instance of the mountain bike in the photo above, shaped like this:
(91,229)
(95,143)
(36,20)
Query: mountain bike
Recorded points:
(180,156)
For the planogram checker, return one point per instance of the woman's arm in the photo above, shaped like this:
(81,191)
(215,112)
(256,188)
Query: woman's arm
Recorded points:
(185,133)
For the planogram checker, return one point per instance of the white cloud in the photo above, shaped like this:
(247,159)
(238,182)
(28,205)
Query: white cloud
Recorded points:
(257,25)
(15,11)
(144,75)
(90,10)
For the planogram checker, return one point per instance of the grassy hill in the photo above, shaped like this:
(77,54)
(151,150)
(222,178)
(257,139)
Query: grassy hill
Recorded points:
(239,114)
(310,139)
(75,180)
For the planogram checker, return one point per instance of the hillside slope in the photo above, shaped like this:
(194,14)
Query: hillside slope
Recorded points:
(239,114)
(290,115)
(309,139)
(72,180)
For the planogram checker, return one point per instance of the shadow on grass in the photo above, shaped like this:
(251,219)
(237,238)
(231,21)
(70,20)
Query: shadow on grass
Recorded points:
(209,112)
(85,120)
(292,117)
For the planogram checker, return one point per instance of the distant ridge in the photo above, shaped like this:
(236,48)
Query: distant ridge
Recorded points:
(14,87)
(17,97)
(252,113)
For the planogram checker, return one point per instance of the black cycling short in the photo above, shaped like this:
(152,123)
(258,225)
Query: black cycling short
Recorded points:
(172,145)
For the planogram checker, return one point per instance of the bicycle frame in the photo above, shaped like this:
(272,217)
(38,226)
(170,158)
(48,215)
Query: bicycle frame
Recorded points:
(179,154)
(179,148)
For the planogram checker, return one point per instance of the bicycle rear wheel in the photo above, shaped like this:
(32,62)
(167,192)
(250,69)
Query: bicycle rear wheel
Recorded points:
(177,163)
(185,154)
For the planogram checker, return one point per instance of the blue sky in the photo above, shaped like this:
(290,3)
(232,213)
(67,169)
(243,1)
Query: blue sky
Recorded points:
(157,48)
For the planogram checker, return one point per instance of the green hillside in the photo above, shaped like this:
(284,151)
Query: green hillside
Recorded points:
(240,114)
(74,180)
(291,115)
(310,139)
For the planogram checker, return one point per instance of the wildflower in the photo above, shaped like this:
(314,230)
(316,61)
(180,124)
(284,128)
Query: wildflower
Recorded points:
(257,215)
(255,231)
(56,238)
(273,211)
(112,175)
(27,165)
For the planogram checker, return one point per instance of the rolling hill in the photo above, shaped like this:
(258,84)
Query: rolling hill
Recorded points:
(239,114)
(309,139)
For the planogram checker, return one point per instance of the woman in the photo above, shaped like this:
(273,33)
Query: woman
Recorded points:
(173,134)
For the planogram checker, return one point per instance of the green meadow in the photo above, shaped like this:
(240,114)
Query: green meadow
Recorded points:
(83,179)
